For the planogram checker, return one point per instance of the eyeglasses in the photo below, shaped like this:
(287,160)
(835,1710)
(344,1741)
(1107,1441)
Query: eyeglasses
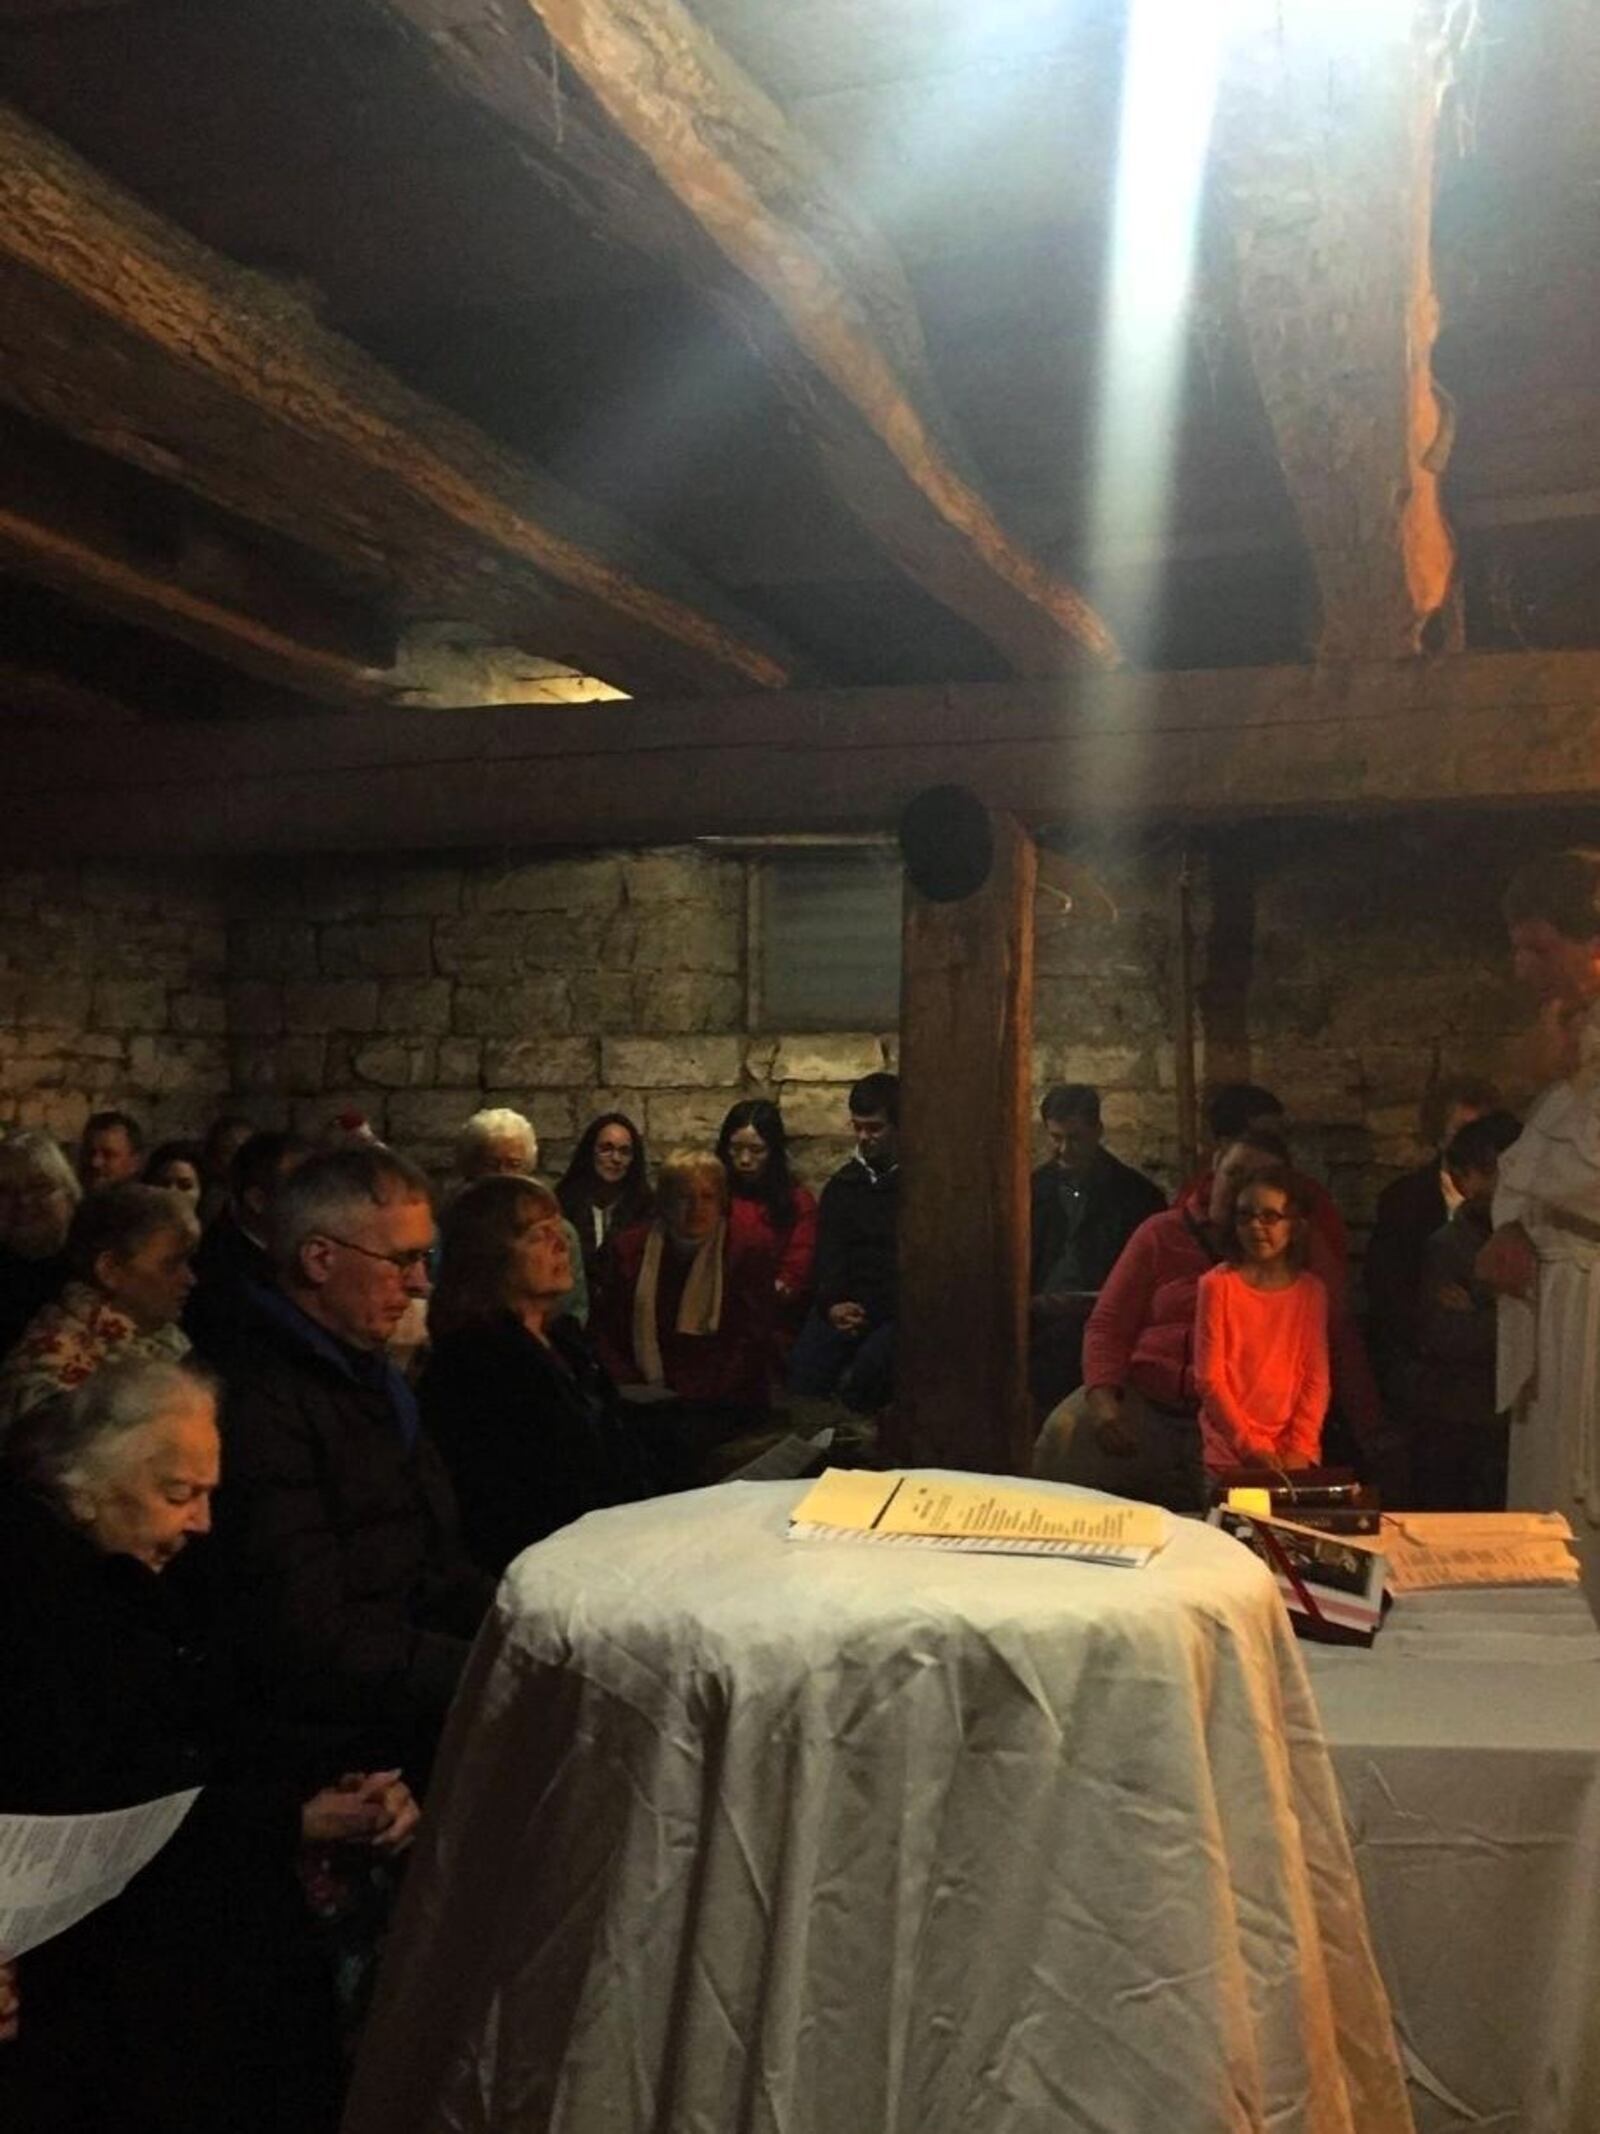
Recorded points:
(403,1263)
(1270,1217)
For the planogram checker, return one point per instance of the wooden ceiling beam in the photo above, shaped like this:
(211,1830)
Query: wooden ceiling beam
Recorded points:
(1472,729)
(1325,137)
(94,574)
(124,332)
(30,691)
(748,207)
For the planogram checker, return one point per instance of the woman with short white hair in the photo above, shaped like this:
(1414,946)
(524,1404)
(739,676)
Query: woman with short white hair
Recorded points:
(497,1142)
(197,2000)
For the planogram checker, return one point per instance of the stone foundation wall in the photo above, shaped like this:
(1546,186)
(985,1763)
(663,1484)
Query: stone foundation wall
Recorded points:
(1343,966)
(111,993)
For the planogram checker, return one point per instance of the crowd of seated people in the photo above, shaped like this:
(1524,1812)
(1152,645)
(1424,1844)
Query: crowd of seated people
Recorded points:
(404,1408)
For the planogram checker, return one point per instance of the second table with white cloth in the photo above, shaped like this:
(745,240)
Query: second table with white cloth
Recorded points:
(732,1832)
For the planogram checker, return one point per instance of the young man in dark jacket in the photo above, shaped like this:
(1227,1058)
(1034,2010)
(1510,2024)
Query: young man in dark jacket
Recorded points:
(338,1518)
(1461,1440)
(846,1347)
(1085,1207)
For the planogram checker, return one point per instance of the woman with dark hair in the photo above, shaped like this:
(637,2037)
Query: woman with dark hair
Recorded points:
(605,1187)
(179,1166)
(1261,1336)
(767,1210)
(529,1425)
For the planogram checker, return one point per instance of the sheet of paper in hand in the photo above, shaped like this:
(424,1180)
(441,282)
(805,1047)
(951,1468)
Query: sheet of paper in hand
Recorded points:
(973,1514)
(56,1868)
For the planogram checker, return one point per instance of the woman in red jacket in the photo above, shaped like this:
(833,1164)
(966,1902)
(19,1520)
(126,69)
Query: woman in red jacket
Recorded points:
(767,1210)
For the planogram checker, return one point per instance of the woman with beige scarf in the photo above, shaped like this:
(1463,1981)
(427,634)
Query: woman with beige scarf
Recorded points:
(684,1311)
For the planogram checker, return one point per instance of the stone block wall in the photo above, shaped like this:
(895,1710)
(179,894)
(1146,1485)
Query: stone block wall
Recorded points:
(112,993)
(1344,965)
(561,986)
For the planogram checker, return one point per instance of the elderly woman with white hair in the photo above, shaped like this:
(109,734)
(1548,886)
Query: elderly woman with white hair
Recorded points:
(128,1252)
(196,2001)
(38,1191)
(501,1143)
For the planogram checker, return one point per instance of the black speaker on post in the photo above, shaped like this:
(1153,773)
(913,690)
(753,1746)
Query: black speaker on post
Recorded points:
(947,843)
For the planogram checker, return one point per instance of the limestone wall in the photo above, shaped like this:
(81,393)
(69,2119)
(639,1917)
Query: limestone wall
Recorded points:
(1341,965)
(111,992)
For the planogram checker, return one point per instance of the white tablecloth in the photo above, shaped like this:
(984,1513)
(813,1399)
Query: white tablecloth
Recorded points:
(736,1835)
(1467,1744)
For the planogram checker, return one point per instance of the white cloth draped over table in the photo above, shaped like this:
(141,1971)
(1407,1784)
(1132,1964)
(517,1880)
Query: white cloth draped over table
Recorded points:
(1467,1746)
(1548,1355)
(734,1835)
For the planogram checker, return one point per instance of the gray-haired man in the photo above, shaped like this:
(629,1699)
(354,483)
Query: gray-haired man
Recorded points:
(338,1518)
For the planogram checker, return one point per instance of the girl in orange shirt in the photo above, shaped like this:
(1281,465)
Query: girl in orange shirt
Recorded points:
(1261,1338)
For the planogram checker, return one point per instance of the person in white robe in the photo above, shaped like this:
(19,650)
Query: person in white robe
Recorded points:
(1544,1256)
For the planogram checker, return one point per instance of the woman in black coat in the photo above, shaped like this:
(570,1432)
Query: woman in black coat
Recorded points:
(197,2001)
(531,1428)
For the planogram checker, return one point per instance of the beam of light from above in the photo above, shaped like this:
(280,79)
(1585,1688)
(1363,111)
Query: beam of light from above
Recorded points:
(1169,84)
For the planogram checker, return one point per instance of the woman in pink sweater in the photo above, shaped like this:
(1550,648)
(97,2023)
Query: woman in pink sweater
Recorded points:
(1261,1338)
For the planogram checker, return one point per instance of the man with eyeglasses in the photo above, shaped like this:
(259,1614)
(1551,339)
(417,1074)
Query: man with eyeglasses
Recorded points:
(336,1514)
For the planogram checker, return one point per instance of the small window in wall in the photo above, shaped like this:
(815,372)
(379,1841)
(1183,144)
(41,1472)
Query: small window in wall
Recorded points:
(828,942)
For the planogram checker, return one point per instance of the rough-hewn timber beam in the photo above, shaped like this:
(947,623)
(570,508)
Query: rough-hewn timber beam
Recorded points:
(1325,137)
(124,332)
(1479,728)
(125,588)
(821,292)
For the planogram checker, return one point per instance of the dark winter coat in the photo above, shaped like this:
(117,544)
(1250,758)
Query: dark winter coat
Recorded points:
(339,1527)
(856,1226)
(533,1437)
(1090,1229)
(196,2001)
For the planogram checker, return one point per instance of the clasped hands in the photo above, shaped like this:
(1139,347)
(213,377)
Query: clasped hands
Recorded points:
(373,1808)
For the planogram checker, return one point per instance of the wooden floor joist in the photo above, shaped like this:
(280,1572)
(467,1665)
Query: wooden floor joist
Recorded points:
(1477,729)
(86,571)
(122,331)
(820,291)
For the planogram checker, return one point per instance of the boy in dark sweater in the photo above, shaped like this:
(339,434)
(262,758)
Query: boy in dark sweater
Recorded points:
(846,1347)
(1460,1441)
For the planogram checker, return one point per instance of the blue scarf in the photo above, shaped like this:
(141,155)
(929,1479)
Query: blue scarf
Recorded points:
(374,1370)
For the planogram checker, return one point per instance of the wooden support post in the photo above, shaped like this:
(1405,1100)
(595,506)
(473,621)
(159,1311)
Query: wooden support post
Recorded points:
(1183,1017)
(966,1024)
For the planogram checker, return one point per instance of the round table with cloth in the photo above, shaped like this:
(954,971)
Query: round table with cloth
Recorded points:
(732,1832)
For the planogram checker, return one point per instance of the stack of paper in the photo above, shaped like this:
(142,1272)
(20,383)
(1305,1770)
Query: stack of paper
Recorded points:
(948,1512)
(1430,1550)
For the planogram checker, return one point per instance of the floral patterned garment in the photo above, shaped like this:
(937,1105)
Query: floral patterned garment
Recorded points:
(67,1342)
